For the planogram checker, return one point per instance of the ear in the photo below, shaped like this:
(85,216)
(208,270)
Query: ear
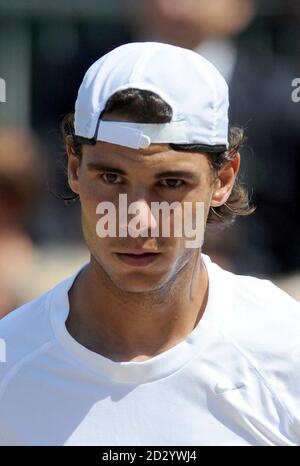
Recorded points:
(224,182)
(73,168)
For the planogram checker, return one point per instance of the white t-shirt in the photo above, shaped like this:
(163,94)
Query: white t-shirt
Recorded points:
(235,380)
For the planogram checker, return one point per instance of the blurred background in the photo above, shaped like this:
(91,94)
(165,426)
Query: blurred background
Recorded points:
(45,49)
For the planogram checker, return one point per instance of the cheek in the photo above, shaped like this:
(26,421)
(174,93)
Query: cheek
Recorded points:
(204,196)
(199,205)
(89,200)
(90,196)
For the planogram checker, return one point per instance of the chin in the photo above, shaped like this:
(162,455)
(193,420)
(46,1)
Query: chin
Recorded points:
(139,284)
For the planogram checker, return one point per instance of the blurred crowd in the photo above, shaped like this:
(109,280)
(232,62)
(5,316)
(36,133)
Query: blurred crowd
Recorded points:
(256,47)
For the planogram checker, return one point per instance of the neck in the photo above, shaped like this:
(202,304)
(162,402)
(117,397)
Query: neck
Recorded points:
(126,326)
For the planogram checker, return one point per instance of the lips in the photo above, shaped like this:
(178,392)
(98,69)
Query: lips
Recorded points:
(138,259)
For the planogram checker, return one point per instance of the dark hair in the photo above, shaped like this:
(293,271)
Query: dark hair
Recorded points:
(147,107)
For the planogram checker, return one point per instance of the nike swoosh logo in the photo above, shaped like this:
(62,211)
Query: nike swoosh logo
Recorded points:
(221,389)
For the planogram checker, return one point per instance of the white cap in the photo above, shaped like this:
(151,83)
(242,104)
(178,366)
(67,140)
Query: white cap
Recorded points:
(190,84)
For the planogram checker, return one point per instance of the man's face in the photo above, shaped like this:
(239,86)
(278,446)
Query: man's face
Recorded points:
(177,19)
(145,176)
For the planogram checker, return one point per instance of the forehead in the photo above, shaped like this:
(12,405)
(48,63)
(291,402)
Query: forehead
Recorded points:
(154,155)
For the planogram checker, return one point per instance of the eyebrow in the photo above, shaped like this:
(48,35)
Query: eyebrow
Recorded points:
(165,174)
(176,174)
(92,166)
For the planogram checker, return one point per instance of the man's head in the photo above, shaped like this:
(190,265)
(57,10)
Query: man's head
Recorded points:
(189,22)
(21,173)
(199,167)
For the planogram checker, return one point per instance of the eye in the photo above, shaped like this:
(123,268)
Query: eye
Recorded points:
(172,183)
(110,178)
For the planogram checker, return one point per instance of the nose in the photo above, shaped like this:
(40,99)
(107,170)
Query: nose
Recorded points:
(138,220)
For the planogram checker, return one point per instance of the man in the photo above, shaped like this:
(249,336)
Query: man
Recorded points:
(151,343)
(260,90)
(21,174)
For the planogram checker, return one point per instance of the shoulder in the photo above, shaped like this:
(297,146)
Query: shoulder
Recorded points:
(255,303)
(263,324)
(27,330)
(22,332)
(260,304)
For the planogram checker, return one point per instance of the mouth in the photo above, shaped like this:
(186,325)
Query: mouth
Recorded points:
(138,259)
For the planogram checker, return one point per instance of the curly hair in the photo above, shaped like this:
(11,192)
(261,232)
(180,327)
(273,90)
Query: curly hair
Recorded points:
(147,107)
